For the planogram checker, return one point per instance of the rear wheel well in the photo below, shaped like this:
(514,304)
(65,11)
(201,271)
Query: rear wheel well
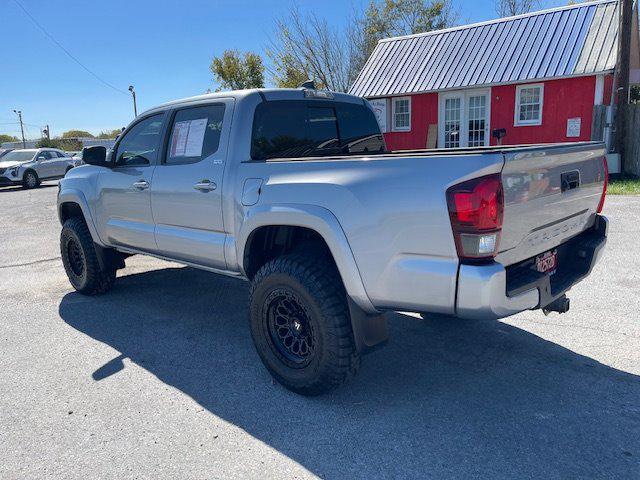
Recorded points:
(70,210)
(271,241)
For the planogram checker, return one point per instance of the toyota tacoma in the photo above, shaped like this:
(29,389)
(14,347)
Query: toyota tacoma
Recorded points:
(295,191)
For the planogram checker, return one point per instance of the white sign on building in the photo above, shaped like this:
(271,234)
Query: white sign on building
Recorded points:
(380,110)
(573,127)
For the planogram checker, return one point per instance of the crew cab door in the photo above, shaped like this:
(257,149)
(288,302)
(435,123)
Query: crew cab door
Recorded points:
(123,205)
(186,196)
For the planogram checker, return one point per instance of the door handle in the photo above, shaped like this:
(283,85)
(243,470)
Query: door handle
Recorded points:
(205,186)
(141,185)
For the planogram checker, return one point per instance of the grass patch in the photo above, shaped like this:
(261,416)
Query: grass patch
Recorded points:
(624,186)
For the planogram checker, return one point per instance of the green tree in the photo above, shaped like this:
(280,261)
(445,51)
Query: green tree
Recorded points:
(76,133)
(305,46)
(48,143)
(7,138)
(509,8)
(68,144)
(109,133)
(288,74)
(235,72)
(393,18)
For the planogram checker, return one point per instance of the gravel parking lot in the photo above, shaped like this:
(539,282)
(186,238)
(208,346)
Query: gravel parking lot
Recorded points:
(159,378)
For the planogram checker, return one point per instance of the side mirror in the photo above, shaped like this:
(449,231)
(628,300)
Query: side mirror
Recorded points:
(96,155)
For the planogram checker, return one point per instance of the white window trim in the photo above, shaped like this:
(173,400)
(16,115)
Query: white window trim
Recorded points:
(516,114)
(393,115)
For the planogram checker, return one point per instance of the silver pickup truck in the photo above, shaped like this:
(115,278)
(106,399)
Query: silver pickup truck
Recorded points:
(294,190)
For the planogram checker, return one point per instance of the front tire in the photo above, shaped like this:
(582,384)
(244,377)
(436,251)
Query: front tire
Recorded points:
(30,179)
(80,260)
(300,324)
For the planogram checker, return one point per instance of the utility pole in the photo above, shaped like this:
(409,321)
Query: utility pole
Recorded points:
(133,93)
(622,74)
(46,132)
(19,113)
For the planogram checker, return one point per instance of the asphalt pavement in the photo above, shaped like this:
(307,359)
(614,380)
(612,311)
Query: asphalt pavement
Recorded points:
(159,378)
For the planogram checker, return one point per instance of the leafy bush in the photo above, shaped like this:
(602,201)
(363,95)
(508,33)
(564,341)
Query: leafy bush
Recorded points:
(61,143)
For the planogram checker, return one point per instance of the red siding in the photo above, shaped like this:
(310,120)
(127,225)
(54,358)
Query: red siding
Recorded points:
(563,99)
(608,87)
(424,110)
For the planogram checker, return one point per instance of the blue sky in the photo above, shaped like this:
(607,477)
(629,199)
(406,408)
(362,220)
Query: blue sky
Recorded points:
(162,47)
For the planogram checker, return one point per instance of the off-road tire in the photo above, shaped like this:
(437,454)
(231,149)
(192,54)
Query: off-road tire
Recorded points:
(317,286)
(30,179)
(80,260)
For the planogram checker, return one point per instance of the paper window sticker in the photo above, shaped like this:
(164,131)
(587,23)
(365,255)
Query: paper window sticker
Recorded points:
(195,139)
(180,135)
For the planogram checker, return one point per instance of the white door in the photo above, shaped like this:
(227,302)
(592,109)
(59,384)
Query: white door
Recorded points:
(464,119)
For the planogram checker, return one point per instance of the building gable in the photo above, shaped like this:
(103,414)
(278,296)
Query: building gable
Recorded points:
(568,41)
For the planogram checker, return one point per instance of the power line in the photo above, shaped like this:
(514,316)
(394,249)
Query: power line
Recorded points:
(18,123)
(67,51)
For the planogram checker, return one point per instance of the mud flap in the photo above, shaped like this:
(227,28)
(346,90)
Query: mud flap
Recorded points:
(369,331)
(109,258)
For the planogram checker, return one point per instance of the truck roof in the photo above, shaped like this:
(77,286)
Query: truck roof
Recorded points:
(266,93)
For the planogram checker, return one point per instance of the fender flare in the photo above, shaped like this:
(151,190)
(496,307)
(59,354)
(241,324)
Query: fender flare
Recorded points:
(326,225)
(72,195)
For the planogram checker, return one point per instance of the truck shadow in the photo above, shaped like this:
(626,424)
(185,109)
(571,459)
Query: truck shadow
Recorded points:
(446,398)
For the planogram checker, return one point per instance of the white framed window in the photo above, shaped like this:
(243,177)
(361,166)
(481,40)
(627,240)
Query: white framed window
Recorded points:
(529,100)
(463,118)
(401,114)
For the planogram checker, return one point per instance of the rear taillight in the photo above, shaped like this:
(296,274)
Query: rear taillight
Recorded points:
(476,209)
(604,187)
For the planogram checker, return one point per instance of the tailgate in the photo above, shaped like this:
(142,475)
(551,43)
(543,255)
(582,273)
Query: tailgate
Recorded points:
(551,194)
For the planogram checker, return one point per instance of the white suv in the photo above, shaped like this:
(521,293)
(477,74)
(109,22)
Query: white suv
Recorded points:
(29,167)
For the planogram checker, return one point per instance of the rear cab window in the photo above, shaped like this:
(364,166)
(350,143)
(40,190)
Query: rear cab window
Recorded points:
(307,128)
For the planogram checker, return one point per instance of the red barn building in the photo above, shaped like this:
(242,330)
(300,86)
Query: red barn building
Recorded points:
(536,76)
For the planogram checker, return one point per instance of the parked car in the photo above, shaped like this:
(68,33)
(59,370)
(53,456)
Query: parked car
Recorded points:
(4,151)
(29,167)
(77,158)
(299,196)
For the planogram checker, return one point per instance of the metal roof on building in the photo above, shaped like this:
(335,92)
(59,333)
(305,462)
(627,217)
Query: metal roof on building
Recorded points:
(568,41)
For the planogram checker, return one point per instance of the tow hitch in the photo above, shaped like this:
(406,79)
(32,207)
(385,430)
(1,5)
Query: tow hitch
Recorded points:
(560,305)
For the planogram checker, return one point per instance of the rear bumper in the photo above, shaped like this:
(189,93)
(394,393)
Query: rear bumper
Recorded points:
(493,291)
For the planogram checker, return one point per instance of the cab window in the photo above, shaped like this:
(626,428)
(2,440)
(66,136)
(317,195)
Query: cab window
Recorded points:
(296,129)
(195,134)
(139,146)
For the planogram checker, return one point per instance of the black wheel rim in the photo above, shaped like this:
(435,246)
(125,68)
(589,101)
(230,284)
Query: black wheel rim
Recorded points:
(289,325)
(76,257)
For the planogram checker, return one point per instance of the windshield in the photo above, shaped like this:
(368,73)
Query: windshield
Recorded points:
(19,156)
